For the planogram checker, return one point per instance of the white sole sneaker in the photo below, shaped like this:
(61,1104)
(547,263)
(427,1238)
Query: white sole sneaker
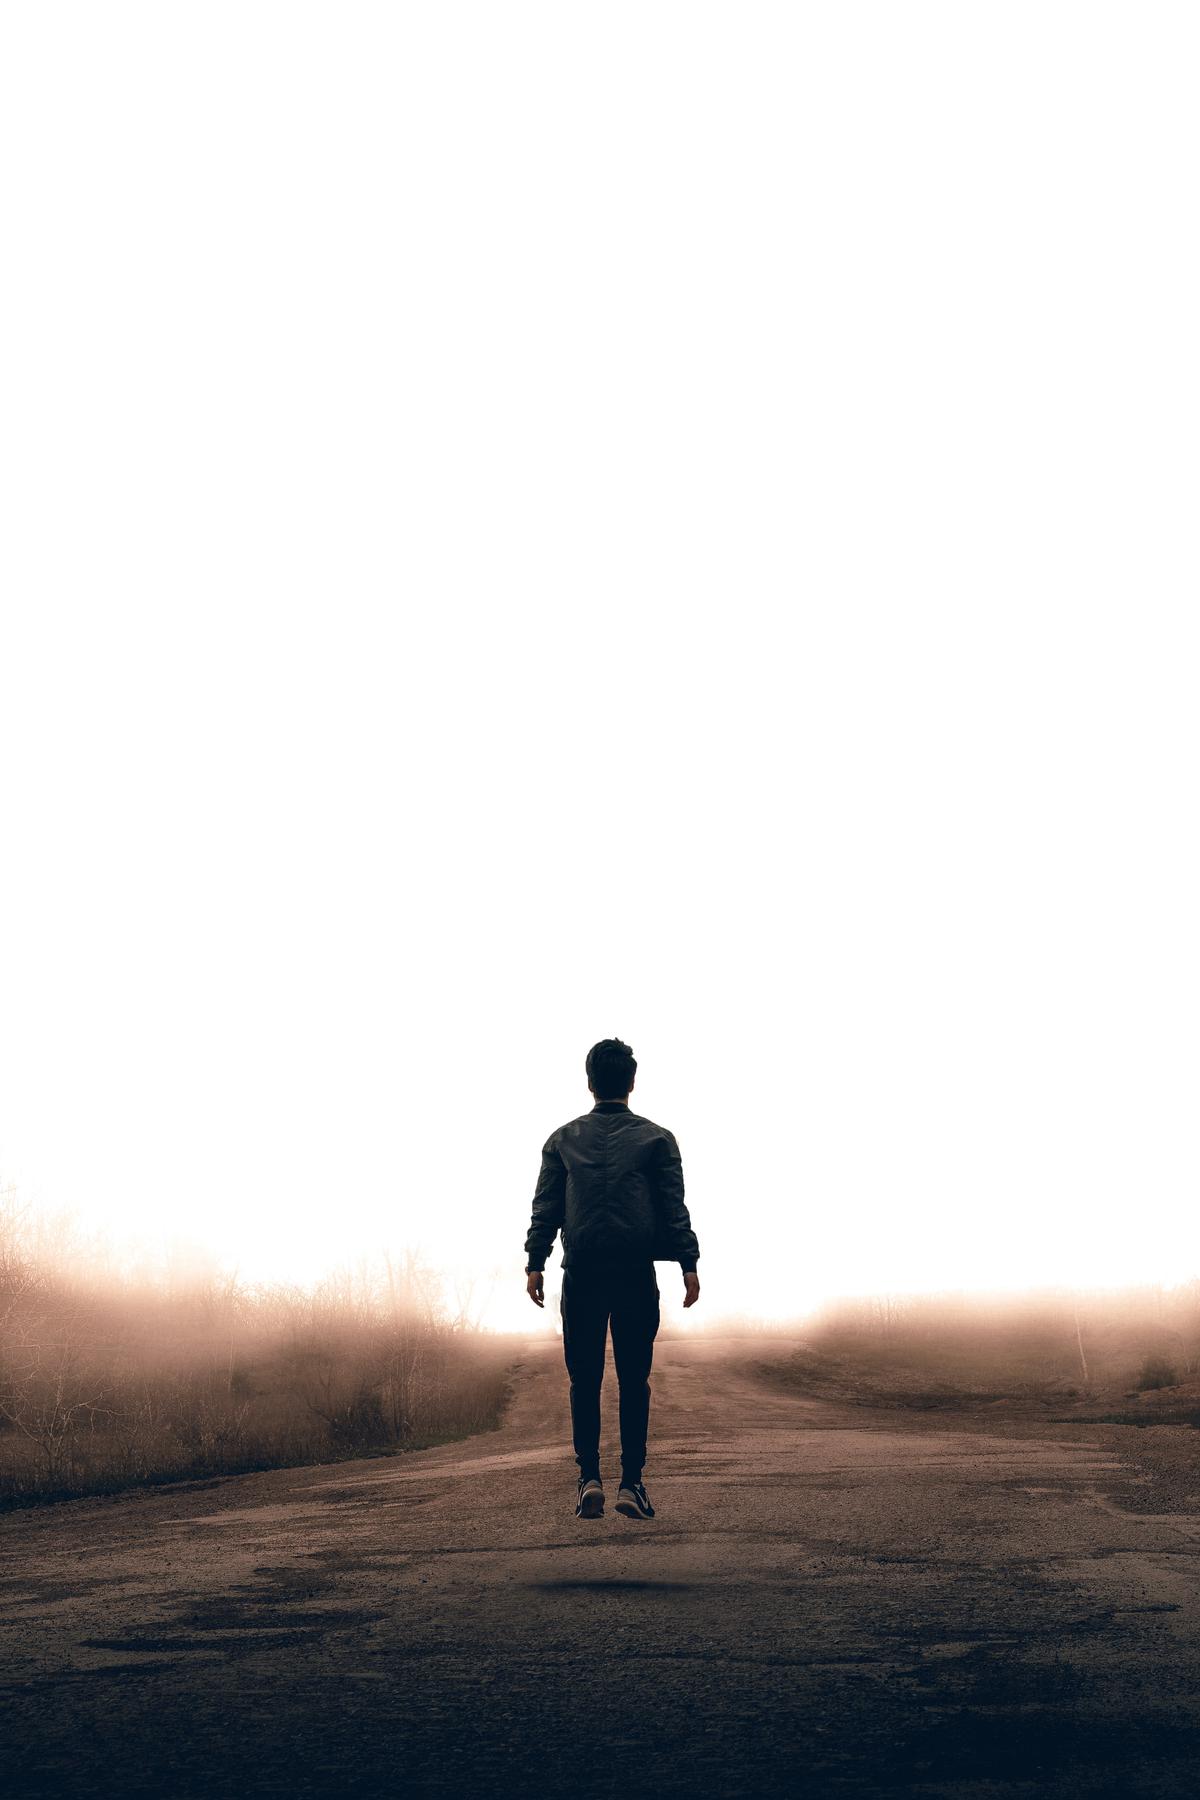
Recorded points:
(591,1502)
(633,1504)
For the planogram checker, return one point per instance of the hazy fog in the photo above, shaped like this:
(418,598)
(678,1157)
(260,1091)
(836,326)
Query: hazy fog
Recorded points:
(696,553)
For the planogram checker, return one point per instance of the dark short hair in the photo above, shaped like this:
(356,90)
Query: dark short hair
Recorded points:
(610,1069)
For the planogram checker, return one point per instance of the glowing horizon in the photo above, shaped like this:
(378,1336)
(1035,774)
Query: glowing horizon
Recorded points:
(492,1297)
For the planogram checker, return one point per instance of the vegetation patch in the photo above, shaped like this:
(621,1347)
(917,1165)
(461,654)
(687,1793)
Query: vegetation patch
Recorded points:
(111,1381)
(1167,1415)
(1060,1349)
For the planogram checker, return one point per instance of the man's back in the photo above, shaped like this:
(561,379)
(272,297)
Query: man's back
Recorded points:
(611,1181)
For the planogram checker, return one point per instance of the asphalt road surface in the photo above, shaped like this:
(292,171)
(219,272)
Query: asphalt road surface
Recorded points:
(829,1601)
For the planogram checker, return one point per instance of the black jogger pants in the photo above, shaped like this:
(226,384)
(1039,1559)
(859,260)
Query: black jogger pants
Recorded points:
(593,1298)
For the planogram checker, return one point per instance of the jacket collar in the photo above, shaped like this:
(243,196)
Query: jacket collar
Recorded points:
(611,1106)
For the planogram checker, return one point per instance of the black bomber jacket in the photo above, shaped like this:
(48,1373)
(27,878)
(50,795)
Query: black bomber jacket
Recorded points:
(612,1183)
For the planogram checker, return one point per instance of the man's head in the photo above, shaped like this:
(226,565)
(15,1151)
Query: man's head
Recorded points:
(610,1069)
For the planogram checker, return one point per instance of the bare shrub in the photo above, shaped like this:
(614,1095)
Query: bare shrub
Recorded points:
(1155,1372)
(49,1395)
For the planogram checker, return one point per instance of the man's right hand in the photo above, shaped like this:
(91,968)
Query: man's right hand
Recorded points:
(691,1284)
(534,1288)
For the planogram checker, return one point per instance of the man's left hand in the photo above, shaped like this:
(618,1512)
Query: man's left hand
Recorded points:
(534,1288)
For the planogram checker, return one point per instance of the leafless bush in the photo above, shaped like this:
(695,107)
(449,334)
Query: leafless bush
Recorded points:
(1156,1372)
(48,1394)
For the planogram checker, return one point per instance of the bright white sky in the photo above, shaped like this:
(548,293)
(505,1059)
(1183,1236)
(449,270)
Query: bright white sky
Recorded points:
(529,523)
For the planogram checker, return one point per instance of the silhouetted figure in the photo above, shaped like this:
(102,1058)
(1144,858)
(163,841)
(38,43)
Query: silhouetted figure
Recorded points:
(612,1183)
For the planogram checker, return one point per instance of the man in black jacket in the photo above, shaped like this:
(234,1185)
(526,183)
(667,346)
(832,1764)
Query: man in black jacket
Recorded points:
(612,1183)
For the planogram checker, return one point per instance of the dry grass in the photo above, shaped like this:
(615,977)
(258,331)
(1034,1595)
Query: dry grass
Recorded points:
(109,1381)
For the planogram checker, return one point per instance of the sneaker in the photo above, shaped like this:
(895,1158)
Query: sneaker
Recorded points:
(590,1503)
(633,1501)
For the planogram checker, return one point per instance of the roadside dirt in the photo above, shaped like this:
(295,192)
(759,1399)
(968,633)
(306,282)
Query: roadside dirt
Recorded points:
(830,1601)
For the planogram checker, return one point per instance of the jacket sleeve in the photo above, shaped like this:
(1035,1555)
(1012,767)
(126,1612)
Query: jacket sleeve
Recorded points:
(549,1201)
(675,1223)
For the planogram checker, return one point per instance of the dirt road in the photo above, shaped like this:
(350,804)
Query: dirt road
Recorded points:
(827,1603)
